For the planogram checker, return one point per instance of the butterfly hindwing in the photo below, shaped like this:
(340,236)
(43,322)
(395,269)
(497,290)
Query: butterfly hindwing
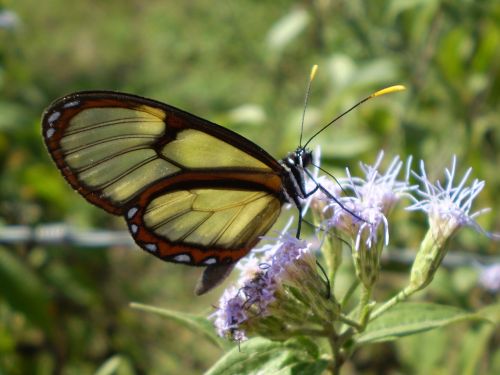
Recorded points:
(203,225)
(191,191)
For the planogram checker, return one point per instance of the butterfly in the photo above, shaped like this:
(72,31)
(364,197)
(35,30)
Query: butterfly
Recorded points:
(191,191)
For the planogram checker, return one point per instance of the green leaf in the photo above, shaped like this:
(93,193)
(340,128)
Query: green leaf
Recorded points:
(287,29)
(12,114)
(396,7)
(474,350)
(421,354)
(262,356)
(116,365)
(408,318)
(307,344)
(491,312)
(196,323)
(23,290)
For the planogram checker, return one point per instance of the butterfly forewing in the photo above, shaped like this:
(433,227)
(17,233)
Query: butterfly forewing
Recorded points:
(104,148)
(191,191)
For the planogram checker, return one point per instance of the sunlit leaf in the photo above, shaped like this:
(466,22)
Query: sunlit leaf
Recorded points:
(491,312)
(408,318)
(474,348)
(116,365)
(287,29)
(261,356)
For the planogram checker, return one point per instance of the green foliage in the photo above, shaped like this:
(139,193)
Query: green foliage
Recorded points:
(454,351)
(24,291)
(198,324)
(408,318)
(65,310)
(116,365)
(257,356)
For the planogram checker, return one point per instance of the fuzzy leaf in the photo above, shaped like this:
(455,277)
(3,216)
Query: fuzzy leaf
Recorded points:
(409,318)
(198,324)
(261,356)
(491,312)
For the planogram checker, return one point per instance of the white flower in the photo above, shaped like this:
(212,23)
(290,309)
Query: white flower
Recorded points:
(490,277)
(448,207)
(9,20)
(364,214)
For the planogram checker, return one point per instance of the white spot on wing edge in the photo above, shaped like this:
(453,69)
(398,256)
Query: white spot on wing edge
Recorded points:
(182,258)
(71,104)
(50,132)
(132,212)
(210,261)
(133,228)
(151,247)
(53,117)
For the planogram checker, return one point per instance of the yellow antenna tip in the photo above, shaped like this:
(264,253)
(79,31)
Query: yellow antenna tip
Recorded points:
(314,69)
(388,90)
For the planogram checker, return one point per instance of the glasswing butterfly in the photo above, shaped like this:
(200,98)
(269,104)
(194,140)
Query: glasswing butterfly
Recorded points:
(191,191)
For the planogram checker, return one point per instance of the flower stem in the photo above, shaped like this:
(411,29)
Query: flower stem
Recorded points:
(365,306)
(401,296)
(349,293)
(338,359)
(350,322)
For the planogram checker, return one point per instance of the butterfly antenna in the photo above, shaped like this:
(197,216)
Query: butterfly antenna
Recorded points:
(387,90)
(314,69)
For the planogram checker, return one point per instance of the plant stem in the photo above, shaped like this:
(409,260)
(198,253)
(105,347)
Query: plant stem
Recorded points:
(349,293)
(338,359)
(401,296)
(365,306)
(349,322)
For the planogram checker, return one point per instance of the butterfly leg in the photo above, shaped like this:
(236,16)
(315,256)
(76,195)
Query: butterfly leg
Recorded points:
(309,193)
(331,196)
(298,203)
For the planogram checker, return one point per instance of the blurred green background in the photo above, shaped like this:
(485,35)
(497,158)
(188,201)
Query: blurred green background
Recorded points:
(244,64)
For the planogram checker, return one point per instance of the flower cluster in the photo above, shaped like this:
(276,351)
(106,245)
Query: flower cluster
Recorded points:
(448,209)
(276,296)
(362,217)
(281,294)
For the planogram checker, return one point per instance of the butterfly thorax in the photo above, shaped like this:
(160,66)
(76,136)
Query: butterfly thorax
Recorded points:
(293,177)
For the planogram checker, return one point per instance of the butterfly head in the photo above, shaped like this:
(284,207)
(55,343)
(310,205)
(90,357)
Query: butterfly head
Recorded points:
(301,157)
